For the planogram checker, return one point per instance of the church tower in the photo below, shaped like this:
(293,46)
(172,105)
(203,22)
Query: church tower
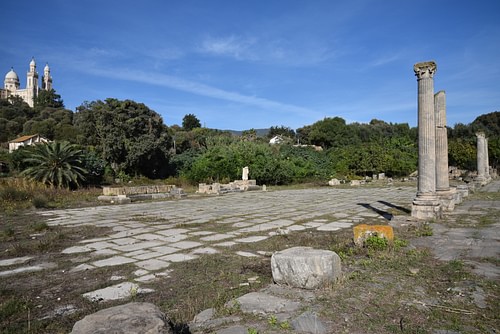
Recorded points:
(11,82)
(46,78)
(12,87)
(32,82)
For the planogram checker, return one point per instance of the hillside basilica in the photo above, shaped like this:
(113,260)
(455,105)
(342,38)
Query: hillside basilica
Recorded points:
(12,85)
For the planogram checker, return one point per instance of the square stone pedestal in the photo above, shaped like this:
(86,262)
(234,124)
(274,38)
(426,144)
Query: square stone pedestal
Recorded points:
(447,198)
(426,208)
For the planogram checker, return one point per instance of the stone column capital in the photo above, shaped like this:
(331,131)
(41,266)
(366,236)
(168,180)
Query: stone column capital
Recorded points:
(480,135)
(425,69)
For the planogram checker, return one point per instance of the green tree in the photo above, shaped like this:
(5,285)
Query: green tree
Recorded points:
(190,122)
(48,98)
(281,131)
(329,132)
(57,164)
(127,135)
(44,127)
(249,135)
(94,166)
(14,112)
(462,153)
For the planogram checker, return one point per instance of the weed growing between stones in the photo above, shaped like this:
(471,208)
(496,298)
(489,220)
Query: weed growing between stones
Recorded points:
(252,331)
(39,226)
(424,230)
(8,232)
(491,217)
(374,242)
(398,243)
(273,322)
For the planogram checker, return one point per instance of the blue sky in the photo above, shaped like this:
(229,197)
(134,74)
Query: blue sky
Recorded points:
(254,64)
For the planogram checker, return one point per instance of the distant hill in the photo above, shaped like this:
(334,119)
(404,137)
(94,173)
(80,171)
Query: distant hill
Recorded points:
(260,132)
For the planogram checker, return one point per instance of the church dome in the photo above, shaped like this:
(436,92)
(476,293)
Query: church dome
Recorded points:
(32,62)
(11,75)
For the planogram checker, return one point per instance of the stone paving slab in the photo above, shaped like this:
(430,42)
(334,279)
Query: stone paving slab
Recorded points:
(113,261)
(252,239)
(153,264)
(105,251)
(217,237)
(118,291)
(205,250)
(28,269)
(179,257)
(186,244)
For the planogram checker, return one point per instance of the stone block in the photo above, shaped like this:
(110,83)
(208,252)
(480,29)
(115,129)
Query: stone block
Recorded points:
(305,267)
(426,209)
(259,303)
(128,318)
(309,322)
(333,182)
(363,231)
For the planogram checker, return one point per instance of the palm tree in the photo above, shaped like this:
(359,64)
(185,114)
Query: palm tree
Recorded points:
(57,164)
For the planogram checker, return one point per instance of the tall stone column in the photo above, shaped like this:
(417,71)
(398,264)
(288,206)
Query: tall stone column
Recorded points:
(426,205)
(481,158)
(445,194)
(442,180)
(487,161)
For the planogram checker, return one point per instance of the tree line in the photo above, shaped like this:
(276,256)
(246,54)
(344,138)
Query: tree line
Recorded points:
(105,140)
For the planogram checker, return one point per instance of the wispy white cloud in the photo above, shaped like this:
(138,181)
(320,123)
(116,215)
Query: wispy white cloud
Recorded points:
(266,50)
(385,59)
(232,46)
(165,53)
(156,79)
(101,52)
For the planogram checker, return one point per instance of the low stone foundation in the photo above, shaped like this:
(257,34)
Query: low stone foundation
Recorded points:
(236,186)
(123,195)
(137,190)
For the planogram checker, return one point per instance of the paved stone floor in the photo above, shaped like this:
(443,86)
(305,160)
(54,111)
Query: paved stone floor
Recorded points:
(153,235)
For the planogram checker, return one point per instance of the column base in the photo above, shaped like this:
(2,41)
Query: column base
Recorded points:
(426,208)
(448,198)
(480,181)
(462,191)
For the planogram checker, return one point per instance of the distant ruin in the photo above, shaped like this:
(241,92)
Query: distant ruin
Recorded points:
(238,185)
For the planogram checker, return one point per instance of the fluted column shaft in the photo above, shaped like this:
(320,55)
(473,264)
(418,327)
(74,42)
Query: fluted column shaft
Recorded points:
(481,158)
(442,179)
(426,130)
(486,159)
